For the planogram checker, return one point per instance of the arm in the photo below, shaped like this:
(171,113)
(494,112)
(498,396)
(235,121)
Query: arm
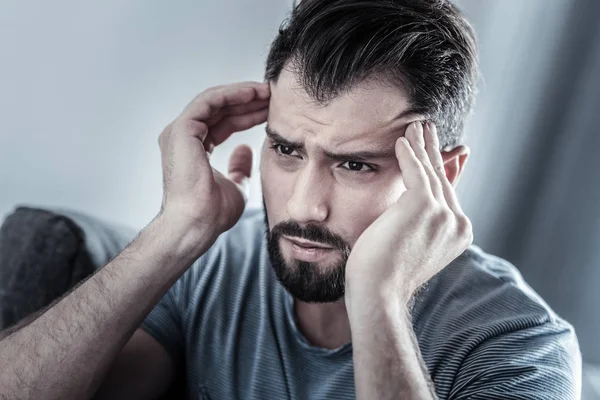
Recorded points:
(66,351)
(387,360)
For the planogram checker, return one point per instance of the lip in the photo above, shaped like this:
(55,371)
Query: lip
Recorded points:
(307,243)
(304,250)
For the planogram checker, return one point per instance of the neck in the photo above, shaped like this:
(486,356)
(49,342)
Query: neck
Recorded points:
(324,324)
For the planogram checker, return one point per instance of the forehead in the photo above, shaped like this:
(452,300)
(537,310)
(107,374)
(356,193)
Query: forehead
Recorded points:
(368,109)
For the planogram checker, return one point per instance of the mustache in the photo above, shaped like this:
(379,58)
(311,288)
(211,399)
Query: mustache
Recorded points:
(312,232)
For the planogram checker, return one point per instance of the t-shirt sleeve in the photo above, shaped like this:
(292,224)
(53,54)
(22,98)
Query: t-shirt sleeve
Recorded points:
(542,362)
(164,323)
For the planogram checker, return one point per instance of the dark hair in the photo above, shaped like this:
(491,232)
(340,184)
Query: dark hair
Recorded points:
(426,46)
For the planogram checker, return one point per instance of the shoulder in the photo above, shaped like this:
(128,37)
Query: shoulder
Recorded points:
(478,320)
(482,289)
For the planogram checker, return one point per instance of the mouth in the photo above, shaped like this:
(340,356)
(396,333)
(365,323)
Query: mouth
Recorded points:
(305,250)
(307,244)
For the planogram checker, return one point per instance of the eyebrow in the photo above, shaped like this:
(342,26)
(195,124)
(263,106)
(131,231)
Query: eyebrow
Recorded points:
(361,155)
(276,137)
(364,155)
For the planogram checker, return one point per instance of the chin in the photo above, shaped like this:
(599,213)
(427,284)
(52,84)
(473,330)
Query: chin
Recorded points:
(311,282)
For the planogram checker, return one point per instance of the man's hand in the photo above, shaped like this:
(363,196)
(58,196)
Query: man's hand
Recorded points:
(194,193)
(418,235)
(407,245)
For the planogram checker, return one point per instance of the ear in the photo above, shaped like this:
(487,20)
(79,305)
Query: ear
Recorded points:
(454,162)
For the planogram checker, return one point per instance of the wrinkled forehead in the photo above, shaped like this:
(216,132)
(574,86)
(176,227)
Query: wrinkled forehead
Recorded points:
(371,108)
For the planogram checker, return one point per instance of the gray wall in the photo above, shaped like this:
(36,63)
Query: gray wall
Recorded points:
(86,88)
(535,189)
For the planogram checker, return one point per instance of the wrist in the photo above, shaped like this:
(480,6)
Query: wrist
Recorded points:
(380,290)
(365,299)
(379,310)
(185,239)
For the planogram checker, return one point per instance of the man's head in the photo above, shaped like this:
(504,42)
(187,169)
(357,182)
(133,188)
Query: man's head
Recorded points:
(347,77)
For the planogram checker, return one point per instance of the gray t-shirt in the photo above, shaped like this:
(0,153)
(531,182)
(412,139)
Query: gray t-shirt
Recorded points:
(483,333)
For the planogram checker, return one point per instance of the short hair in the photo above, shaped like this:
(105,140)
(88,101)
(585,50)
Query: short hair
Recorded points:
(426,46)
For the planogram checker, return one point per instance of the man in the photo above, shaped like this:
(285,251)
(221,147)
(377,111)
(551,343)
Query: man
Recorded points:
(364,285)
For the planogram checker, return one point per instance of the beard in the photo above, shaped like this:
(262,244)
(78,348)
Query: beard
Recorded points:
(307,281)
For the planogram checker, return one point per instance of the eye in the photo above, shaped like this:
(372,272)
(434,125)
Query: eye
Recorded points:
(356,166)
(284,150)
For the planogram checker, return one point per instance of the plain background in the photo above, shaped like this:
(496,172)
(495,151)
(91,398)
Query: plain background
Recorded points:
(87,87)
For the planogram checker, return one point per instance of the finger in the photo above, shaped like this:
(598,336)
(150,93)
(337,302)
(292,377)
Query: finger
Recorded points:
(209,104)
(185,146)
(412,170)
(246,108)
(262,89)
(240,109)
(229,125)
(240,167)
(237,85)
(414,134)
(432,146)
(209,144)
(184,128)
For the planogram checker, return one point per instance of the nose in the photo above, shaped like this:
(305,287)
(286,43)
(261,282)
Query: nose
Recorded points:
(309,201)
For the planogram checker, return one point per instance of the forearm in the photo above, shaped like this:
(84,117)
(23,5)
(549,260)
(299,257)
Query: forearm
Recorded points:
(66,351)
(29,318)
(387,360)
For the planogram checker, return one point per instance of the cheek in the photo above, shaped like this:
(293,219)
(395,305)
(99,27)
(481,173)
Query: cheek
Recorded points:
(362,207)
(276,189)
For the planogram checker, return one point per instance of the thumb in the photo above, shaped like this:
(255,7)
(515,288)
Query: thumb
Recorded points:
(240,166)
